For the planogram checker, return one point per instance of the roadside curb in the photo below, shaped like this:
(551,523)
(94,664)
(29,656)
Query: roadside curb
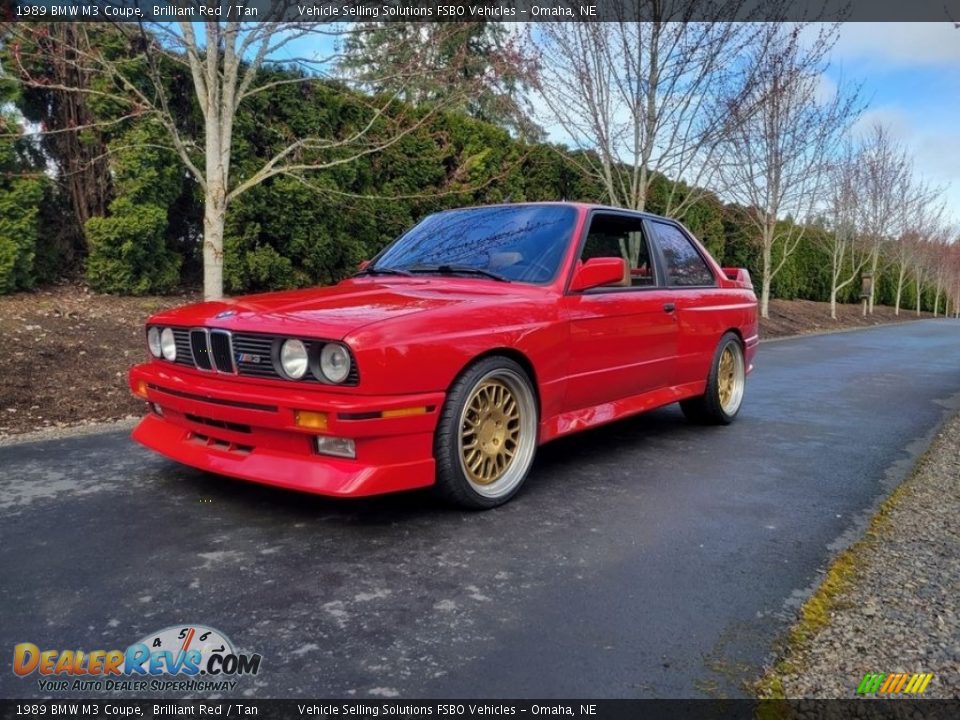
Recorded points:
(69,431)
(850,329)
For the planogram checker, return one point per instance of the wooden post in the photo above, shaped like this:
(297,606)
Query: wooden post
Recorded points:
(866,289)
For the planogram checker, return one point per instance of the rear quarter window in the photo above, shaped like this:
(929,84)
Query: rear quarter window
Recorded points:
(684,265)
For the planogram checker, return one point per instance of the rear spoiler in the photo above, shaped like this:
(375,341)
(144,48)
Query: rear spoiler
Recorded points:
(741,276)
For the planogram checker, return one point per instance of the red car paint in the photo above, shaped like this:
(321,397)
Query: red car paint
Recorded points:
(594,357)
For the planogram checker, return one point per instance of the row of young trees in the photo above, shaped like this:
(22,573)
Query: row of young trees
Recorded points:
(171,146)
(885,219)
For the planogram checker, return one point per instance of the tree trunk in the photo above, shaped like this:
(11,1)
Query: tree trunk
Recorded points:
(217,150)
(765,280)
(833,303)
(214,216)
(896,305)
(874,262)
(919,296)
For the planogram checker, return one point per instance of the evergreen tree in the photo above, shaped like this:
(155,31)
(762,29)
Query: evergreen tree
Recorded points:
(480,61)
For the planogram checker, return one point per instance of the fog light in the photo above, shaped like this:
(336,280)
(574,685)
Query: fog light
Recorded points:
(156,409)
(340,447)
(308,419)
(141,388)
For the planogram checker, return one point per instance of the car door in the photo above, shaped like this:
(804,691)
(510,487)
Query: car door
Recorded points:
(623,337)
(700,303)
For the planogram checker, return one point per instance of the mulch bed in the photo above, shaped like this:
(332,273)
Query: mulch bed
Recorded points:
(65,353)
(800,317)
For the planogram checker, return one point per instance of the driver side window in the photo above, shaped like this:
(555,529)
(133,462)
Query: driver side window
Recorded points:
(623,237)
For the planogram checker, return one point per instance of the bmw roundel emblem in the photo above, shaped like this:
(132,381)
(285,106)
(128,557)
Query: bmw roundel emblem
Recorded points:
(226,314)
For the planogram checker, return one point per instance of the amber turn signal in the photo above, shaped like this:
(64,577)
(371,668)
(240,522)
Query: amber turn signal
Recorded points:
(141,390)
(404,412)
(311,420)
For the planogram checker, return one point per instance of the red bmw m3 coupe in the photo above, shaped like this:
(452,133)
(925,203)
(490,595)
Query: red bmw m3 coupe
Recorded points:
(473,338)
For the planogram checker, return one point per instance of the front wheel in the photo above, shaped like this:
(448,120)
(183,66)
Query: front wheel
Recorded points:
(487,434)
(724,394)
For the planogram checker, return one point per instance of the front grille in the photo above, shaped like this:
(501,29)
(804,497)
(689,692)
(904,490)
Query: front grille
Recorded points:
(181,337)
(220,348)
(198,344)
(254,355)
(246,354)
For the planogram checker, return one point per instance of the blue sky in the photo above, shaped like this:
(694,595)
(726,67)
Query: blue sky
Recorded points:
(911,74)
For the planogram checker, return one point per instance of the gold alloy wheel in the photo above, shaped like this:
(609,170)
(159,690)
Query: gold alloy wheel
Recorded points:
(730,377)
(497,433)
(490,434)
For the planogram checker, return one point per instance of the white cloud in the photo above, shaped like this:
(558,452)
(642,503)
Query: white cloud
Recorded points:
(935,151)
(902,44)
(826,89)
(895,119)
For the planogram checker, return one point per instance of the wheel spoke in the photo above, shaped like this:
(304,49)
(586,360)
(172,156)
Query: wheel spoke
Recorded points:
(490,435)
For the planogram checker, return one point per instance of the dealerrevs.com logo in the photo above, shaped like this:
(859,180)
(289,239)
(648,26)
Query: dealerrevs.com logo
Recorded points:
(176,659)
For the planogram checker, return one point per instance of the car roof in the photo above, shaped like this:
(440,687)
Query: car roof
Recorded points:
(585,206)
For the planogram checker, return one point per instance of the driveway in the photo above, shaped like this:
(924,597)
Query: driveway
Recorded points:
(646,558)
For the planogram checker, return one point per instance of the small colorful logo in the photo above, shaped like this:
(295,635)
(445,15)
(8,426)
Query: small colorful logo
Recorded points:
(894,683)
(190,651)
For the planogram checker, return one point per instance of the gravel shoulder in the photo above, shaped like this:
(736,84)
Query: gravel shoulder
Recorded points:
(890,602)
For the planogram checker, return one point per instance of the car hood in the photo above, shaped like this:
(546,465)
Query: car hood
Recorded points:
(329,312)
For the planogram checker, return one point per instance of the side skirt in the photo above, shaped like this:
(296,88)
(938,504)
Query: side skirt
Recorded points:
(576,420)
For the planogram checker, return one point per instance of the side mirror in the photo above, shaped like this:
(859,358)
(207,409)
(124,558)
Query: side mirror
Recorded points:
(364,264)
(599,271)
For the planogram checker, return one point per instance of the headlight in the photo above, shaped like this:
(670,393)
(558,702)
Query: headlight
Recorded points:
(334,362)
(153,341)
(168,345)
(293,359)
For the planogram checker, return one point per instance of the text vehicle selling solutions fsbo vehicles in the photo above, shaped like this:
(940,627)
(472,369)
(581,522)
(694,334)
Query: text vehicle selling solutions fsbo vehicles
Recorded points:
(473,338)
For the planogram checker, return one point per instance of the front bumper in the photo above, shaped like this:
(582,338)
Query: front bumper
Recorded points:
(247,430)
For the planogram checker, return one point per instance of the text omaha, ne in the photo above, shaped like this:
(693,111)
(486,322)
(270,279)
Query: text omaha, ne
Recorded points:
(441,12)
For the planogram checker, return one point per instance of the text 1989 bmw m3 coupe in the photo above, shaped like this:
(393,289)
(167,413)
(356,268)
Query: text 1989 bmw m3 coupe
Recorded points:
(466,343)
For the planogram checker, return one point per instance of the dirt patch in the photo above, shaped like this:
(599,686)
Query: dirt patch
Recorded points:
(799,317)
(65,352)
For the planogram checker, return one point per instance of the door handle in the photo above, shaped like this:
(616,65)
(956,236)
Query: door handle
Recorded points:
(669,307)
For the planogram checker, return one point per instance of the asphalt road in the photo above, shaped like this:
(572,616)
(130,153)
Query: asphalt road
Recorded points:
(648,558)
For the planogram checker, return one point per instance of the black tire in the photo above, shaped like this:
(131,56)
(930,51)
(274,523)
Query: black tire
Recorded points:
(709,408)
(464,433)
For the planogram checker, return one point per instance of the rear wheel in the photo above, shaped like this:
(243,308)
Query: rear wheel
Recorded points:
(487,434)
(725,383)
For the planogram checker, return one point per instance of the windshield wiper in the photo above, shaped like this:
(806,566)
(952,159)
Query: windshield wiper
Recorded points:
(458,270)
(383,271)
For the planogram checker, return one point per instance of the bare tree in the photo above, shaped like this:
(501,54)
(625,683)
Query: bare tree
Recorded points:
(953,282)
(782,142)
(224,60)
(941,251)
(646,99)
(921,214)
(842,241)
(920,267)
(886,171)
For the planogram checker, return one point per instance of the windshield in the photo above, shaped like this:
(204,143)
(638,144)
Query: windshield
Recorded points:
(522,243)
